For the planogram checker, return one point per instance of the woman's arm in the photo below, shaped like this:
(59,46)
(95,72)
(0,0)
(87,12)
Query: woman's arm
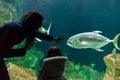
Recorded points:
(6,44)
(48,37)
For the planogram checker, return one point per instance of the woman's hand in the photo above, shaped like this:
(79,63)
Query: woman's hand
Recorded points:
(57,39)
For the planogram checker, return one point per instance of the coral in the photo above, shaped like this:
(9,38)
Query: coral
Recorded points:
(77,72)
(113,67)
(17,73)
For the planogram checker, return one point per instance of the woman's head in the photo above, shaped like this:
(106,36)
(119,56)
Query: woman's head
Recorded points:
(32,20)
(53,51)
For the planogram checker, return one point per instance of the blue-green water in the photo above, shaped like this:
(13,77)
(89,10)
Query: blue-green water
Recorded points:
(70,17)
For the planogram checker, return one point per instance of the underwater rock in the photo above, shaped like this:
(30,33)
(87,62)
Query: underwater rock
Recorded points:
(17,73)
(113,67)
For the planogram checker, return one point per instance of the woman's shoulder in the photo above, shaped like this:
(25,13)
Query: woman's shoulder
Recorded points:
(12,24)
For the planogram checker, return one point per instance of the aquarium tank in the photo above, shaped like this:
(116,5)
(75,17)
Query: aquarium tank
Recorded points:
(67,18)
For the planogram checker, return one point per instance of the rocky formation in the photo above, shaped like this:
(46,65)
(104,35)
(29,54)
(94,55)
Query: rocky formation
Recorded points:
(18,73)
(113,67)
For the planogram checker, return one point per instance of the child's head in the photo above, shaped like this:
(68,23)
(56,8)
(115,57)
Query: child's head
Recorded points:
(53,51)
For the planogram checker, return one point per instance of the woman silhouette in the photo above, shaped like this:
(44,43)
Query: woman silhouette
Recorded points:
(15,32)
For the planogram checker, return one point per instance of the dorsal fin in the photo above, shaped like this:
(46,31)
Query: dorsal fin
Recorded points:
(97,32)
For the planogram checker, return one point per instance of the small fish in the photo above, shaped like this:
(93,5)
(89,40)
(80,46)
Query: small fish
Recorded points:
(43,30)
(93,40)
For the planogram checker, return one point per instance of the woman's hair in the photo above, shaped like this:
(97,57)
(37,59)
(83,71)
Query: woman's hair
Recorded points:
(31,22)
(53,51)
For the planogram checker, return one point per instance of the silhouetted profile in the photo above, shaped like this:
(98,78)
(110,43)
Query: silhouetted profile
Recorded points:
(53,65)
(15,32)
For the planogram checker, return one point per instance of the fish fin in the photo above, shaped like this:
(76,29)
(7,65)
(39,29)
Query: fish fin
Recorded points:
(97,32)
(48,30)
(100,50)
(42,30)
(115,41)
(37,39)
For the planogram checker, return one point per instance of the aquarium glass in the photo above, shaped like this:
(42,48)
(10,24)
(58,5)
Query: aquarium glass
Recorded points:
(68,18)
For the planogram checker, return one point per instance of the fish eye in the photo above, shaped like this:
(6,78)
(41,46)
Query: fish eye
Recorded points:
(70,42)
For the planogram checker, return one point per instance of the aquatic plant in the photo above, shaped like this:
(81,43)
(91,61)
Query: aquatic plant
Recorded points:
(78,72)
(32,59)
(7,12)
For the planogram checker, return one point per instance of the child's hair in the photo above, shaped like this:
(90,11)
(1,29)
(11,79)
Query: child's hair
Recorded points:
(53,51)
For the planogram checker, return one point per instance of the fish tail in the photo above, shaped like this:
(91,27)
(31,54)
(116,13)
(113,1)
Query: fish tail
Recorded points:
(115,41)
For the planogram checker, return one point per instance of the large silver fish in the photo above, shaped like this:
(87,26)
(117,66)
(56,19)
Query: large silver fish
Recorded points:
(91,40)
